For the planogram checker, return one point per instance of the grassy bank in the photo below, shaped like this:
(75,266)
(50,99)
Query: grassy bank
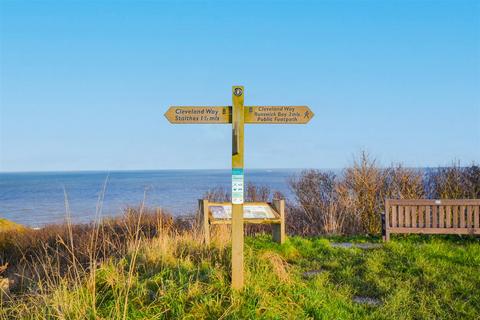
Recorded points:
(7,226)
(174,276)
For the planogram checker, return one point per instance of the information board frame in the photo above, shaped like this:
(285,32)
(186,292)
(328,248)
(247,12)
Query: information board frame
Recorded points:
(276,207)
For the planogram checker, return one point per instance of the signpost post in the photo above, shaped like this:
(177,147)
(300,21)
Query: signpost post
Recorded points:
(237,187)
(238,115)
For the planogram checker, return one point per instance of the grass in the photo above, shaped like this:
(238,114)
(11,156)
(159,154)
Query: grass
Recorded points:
(7,225)
(173,276)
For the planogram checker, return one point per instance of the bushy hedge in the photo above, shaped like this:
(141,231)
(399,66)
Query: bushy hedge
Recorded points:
(351,202)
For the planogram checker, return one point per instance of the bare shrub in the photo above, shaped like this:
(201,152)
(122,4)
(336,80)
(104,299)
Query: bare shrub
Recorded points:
(446,183)
(317,210)
(253,193)
(472,182)
(363,193)
(352,202)
(404,183)
(365,186)
(257,193)
(454,182)
(218,194)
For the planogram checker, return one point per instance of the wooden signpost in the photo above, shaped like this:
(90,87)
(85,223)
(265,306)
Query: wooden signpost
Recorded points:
(238,115)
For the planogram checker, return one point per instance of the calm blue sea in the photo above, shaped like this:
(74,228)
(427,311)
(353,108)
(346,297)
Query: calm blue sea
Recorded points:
(36,199)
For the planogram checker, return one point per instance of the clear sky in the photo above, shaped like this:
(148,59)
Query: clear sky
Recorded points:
(84,84)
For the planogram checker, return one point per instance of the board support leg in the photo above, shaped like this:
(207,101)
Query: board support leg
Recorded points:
(278,230)
(205,224)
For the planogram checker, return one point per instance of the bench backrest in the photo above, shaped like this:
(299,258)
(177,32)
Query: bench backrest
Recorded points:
(440,216)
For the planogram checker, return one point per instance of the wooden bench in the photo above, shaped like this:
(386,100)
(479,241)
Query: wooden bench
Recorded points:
(423,216)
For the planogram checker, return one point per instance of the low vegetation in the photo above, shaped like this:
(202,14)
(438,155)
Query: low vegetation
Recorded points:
(31,254)
(352,201)
(147,264)
(174,276)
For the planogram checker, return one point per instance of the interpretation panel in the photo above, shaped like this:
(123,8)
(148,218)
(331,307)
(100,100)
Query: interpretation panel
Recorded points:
(250,211)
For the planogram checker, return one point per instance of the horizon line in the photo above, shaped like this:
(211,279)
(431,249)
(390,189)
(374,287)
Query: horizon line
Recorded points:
(203,169)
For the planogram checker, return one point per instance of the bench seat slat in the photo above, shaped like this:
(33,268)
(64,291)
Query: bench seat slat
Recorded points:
(441,217)
(434,217)
(414,216)
(448,218)
(469,217)
(401,217)
(421,216)
(428,217)
(394,217)
(406,210)
(476,217)
(455,216)
(462,217)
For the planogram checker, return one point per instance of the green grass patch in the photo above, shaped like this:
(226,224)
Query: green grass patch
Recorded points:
(306,278)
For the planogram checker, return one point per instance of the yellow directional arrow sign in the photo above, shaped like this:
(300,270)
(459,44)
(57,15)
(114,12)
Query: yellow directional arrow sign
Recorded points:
(199,115)
(278,114)
(253,114)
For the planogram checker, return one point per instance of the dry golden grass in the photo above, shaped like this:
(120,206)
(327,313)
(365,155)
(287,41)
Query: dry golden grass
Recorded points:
(6,226)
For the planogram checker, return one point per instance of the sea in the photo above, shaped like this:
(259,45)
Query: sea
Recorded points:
(36,199)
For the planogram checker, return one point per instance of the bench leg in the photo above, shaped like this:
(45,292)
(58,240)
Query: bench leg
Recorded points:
(385,233)
(386,236)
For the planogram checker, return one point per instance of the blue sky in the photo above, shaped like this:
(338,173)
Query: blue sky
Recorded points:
(84,84)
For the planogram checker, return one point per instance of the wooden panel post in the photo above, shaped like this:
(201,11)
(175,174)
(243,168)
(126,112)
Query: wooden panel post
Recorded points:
(237,187)
(278,230)
(205,224)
